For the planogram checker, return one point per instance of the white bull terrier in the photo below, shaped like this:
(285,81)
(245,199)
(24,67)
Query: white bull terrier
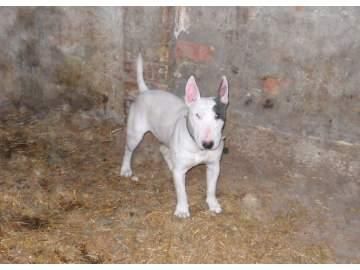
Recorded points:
(190,133)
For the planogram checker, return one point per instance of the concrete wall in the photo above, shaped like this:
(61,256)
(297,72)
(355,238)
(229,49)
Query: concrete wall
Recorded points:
(53,57)
(291,69)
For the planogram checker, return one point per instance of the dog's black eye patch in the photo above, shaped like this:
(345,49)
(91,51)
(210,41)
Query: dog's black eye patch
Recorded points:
(219,109)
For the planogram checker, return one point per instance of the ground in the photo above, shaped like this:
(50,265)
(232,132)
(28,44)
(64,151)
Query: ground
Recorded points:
(285,199)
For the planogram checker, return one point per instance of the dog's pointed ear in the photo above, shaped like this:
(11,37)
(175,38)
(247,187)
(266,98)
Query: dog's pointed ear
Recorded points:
(223,91)
(192,92)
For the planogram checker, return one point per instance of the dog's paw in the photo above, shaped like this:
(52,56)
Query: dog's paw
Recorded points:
(182,211)
(126,172)
(214,206)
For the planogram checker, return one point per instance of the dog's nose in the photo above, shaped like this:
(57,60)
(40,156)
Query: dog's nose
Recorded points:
(208,145)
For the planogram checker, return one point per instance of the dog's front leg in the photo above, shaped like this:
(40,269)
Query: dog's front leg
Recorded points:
(182,207)
(212,175)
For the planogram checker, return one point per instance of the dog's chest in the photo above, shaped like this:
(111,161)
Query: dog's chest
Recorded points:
(201,157)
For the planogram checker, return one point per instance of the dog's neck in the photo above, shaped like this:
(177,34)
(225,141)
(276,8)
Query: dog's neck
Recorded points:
(189,128)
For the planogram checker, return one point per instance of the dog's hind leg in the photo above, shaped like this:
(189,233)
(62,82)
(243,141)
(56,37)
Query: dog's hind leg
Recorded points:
(135,133)
(131,143)
(165,151)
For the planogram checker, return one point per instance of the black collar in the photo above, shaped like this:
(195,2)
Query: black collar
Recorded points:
(189,128)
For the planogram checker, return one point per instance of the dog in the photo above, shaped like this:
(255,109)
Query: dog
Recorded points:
(190,133)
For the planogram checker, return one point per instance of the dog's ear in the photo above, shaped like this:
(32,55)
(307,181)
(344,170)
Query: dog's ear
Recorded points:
(223,91)
(192,92)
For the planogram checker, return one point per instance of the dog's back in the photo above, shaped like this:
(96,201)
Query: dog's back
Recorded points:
(156,110)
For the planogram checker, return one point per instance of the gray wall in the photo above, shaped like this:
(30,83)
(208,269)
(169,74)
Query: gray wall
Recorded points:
(290,69)
(52,57)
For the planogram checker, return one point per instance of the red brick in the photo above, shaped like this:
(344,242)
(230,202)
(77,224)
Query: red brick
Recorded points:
(162,72)
(194,51)
(128,67)
(271,85)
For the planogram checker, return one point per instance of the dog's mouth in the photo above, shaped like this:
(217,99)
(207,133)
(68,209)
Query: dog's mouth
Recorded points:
(214,147)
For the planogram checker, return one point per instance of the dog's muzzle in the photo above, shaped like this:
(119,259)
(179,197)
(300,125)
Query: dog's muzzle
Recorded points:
(208,145)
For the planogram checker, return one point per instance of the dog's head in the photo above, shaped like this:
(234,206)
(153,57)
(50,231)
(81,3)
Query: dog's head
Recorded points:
(206,116)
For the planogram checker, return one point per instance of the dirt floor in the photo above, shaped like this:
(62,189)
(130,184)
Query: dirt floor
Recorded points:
(285,199)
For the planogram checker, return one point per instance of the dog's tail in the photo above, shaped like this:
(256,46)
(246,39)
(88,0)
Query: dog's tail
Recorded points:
(140,77)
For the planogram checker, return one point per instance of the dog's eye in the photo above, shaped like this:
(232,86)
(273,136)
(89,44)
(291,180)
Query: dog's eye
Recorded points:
(217,116)
(198,116)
